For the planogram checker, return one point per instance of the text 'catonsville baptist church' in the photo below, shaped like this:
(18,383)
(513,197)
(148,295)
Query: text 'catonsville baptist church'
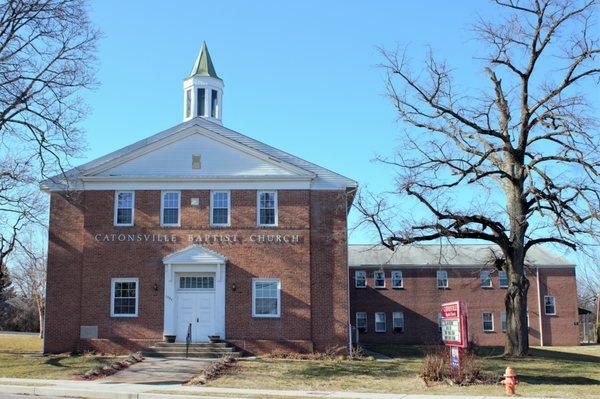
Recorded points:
(201,231)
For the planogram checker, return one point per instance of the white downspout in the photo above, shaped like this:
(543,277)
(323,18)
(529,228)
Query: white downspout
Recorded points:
(539,300)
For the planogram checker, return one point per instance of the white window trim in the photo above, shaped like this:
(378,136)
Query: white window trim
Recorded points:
(228,208)
(375,279)
(356,280)
(384,322)
(437,279)
(112,295)
(366,318)
(117,208)
(394,319)
(505,321)
(553,305)
(483,321)
(162,208)
(499,279)
(489,277)
(266,280)
(276,204)
(398,272)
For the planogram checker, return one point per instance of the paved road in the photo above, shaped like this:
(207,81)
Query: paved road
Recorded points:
(29,397)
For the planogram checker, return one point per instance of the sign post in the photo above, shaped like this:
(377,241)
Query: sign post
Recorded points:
(454,330)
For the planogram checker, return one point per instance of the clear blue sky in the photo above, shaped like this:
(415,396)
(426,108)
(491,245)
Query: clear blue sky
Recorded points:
(301,76)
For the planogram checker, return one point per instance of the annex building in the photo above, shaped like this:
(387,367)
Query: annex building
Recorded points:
(200,230)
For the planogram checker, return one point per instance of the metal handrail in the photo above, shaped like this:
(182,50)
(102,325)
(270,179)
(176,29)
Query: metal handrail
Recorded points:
(188,340)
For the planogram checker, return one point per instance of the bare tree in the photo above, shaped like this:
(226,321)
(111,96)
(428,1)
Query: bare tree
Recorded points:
(47,52)
(514,163)
(29,278)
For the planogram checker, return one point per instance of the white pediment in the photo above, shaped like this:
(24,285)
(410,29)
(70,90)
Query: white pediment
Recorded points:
(194,254)
(218,158)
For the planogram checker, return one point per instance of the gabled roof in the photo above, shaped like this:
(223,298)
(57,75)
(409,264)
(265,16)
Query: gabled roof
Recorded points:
(321,177)
(440,255)
(194,254)
(203,65)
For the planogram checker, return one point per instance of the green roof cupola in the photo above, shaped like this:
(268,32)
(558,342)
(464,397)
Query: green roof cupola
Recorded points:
(203,90)
(203,65)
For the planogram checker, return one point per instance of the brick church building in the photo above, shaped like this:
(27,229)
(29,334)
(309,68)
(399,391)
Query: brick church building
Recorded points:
(204,231)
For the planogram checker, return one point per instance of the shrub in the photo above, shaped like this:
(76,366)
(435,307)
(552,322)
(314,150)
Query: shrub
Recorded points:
(331,353)
(213,371)
(436,367)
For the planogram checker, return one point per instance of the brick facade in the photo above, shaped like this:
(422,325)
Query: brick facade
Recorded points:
(420,301)
(80,269)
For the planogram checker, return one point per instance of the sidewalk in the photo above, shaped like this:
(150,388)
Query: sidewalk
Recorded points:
(103,389)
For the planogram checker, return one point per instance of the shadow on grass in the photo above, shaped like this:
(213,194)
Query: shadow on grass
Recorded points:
(555,380)
(56,361)
(564,356)
(322,371)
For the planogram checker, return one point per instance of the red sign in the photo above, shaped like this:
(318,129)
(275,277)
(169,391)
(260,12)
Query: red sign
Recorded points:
(454,324)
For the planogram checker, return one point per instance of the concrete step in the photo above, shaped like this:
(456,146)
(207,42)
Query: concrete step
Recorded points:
(182,349)
(195,354)
(193,345)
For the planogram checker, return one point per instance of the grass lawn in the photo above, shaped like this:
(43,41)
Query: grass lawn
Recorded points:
(572,372)
(20,358)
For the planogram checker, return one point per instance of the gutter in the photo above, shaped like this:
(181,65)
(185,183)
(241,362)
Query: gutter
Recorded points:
(539,300)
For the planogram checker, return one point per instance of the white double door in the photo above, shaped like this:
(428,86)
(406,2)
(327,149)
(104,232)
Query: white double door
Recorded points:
(195,308)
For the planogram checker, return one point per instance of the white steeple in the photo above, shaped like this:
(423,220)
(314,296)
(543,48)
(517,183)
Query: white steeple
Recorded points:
(203,90)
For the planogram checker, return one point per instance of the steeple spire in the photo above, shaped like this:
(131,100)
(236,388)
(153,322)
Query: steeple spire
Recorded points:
(203,90)
(203,65)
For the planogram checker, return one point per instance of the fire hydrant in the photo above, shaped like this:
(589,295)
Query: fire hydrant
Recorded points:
(510,381)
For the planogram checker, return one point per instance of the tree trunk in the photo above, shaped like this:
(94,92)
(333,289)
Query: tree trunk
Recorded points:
(517,332)
(40,309)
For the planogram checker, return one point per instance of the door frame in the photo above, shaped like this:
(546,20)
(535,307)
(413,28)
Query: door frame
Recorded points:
(194,259)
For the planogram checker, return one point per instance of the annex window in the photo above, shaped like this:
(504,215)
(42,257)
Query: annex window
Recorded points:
(196,282)
(486,279)
(488,321)
(503,279)
(188,103)
(503,324)
(266,297)
(442,279)
(213,103)
(380,325)
(360,279)
(220,206)
(379,278)
(267,208)
(550,305)
(201,105)
(397,281)
(169,210)
(398,321)
(124,205)
(439,321)
(361,321)
(124,297)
